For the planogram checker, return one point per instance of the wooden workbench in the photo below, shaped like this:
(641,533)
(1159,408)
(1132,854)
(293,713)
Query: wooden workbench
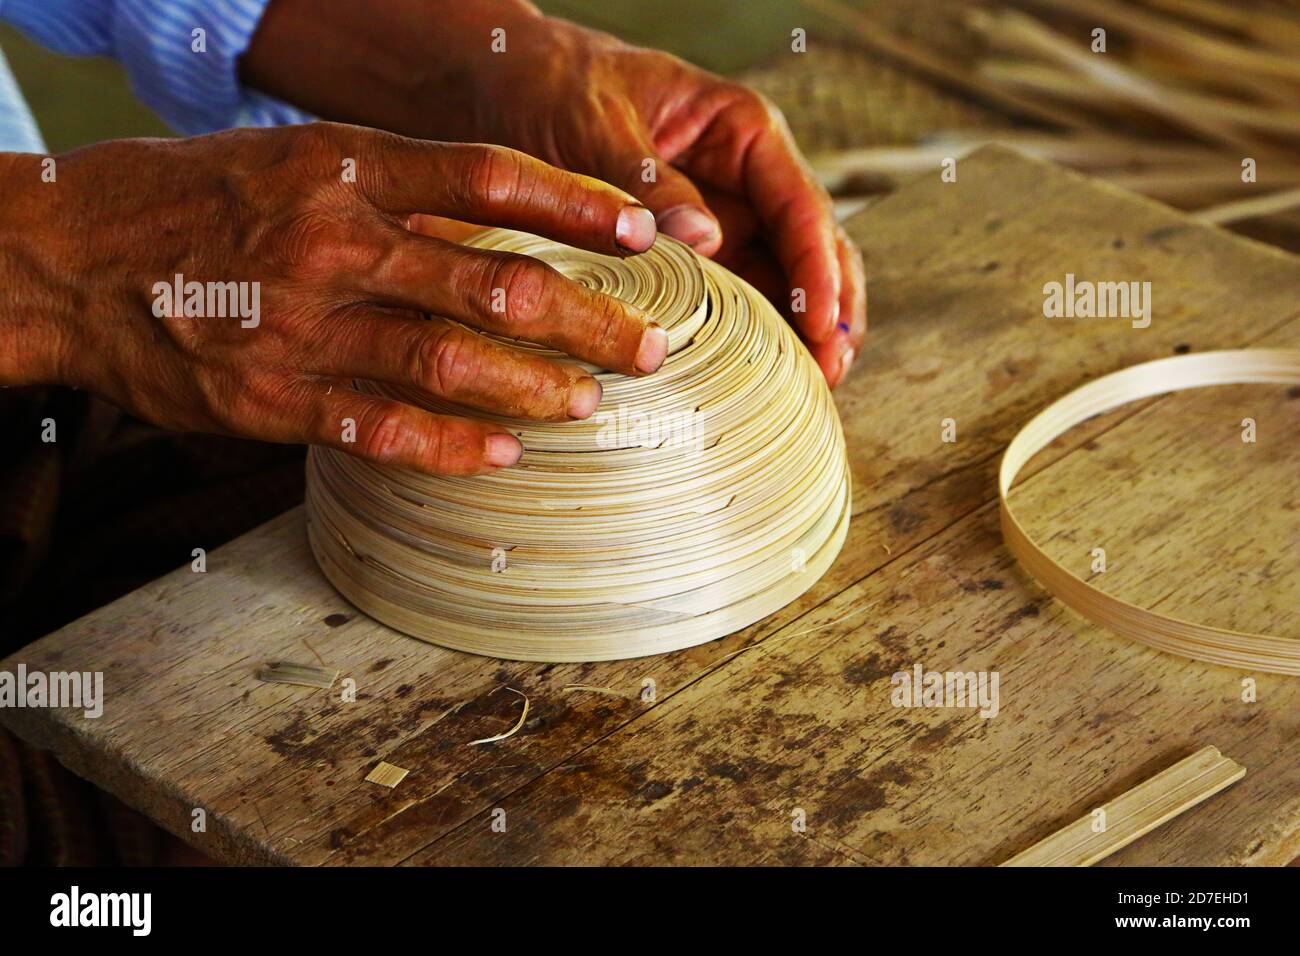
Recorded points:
(795,712)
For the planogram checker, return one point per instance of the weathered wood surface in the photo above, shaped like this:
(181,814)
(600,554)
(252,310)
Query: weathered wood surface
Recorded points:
(795,713)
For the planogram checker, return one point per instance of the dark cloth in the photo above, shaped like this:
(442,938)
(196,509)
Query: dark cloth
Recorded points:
(108,506)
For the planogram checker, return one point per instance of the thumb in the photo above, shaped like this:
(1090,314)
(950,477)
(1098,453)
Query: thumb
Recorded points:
(679,209)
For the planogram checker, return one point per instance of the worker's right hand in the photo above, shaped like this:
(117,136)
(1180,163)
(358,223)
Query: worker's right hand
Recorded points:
(310,223)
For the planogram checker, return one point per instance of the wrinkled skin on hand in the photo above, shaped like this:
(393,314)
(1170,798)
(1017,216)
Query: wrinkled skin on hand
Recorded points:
(727,177)
(344,289)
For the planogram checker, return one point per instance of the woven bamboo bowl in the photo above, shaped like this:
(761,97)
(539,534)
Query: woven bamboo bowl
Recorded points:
(696,500)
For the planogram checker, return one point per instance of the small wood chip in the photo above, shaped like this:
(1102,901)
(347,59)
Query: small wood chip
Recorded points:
(387,775)
(307,675)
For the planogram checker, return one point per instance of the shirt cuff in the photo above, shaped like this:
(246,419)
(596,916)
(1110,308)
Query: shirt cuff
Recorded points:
(183,60)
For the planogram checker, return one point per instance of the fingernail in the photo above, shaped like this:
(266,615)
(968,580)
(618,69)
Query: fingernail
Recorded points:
(653,349)
(846,362)
(688,224)
(503,450)
(635,229)
(584,397)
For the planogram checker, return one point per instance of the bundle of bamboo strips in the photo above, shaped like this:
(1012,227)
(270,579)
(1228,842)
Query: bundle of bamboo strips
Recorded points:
(1172,104)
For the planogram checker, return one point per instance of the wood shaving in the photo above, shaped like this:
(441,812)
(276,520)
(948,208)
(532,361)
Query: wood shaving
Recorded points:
(513,730)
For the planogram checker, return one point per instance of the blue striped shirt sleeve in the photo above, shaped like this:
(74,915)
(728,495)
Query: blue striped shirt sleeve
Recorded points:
(18,130)
(181,55)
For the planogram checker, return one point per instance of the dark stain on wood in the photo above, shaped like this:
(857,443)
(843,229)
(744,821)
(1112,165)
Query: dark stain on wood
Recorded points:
(335,620)
(1019,614)
(855,798)
(655,790)
(936,735)
(904,520)
(893,639)
(728,771)
(868,671)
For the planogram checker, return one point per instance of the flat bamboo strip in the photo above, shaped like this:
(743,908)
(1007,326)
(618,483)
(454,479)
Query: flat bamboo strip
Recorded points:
(937,66)
(1276,30)
(1196,186)
(1135,813)
(1167,32)
(1024,33)
(1186,175)
(694,502)
(1280,655)
(1169,68)
(1281,118)
(305,675)
(1253,208)
(1037,79)
(888,165)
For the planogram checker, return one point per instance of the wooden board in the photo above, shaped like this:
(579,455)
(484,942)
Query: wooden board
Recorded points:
(795,713)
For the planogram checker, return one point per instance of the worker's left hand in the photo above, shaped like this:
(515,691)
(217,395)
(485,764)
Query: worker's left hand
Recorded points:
(714,161)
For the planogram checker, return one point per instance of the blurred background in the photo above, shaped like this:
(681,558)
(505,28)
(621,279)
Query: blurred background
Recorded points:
(1169,101)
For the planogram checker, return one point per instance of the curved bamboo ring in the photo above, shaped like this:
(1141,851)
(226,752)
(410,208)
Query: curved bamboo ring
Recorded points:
(1279,655)
(694,502)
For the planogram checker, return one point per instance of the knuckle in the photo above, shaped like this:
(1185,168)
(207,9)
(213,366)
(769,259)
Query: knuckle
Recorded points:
(304,240)
(495,174)
(767,108)
(381,435)
(522,285)
(311,139)
(609,319)
(758,109)
(237,403)
(318,247)
(266,398)
(316,144)
(548,391)
(251,397)
(444,362)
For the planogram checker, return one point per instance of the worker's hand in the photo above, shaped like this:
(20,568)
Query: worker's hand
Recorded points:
(713,160)
(309,279)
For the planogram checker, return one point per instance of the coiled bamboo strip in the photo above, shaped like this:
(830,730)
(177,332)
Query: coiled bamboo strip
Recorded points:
(1279,655)
(694,502)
